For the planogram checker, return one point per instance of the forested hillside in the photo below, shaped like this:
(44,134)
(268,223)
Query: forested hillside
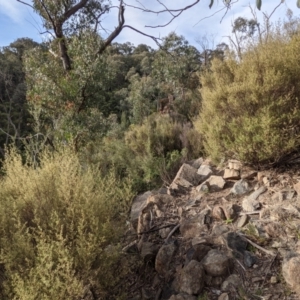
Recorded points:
(86,124)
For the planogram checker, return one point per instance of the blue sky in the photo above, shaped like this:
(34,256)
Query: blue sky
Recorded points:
(18,20)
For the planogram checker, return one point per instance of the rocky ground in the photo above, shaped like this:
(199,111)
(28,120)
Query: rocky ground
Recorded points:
(218,233)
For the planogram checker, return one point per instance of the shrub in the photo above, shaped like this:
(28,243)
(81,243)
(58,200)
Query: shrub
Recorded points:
(251,108)
(161,144)
(59,228)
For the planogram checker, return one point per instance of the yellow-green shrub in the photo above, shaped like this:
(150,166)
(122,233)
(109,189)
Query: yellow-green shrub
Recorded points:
(160,144)
(251,108)
(59,227)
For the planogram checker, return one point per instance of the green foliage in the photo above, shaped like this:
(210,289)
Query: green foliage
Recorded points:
(160,144)
(59,228)
(251,107)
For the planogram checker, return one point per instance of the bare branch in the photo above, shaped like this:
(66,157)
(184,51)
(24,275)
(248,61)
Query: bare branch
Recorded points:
(155,39)
(25,3)
(117,30)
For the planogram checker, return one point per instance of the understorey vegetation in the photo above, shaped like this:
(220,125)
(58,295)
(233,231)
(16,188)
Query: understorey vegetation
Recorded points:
(82,135)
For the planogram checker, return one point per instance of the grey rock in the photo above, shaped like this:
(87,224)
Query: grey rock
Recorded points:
(217,263)
(203,187)
(241,187)
(216,183)
(297,187)
(231,174)
(148,251)
(291,273)
(190,228)
(233,280)
(183,297)
(197,252)
(138,204)
(223,296)
(234,164)
(163,259)
(197,163)
(187,176)
(192,278)
(235,242)
(242,221)
(256,193)
(250,204)
(204,172)
(229,211)
(218,213)
(249,259)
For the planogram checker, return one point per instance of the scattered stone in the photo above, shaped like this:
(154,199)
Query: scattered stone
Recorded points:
(205,216)
(204,172)
(229,211)
(273,229)
(233,280)
(297,187)
(192,278)
(242,221)
(198,240)
(249,259)
(216,183)
(190,228)
(138,204)
(197,252)
(216,281)
(216,263)
(231,174)
(235,164)
(148,251)
(187,176)
(147,294)
(250,204)
(273,279)
(223,296)
(164,232)
(235,242)
(257,279)
(131,248)
(203,187)
(291,272)
(183,297)
(241,187)
(258,192)
(219,229)
(197,163)
(164,258)
(249,174)
(218,213)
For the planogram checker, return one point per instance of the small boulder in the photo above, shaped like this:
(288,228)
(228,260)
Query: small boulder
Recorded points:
(234,164)
(240,187)
(218,213)
(187,176)
(291,273)
(217,263)
(192,278)
(233,280)
(190,228)
(250,205)
(216,183)
(138,204)
(231,174)
(204,172)
(164,258)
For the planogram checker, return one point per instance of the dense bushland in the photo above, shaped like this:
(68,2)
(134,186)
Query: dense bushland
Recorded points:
(250,107)
(60,225)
